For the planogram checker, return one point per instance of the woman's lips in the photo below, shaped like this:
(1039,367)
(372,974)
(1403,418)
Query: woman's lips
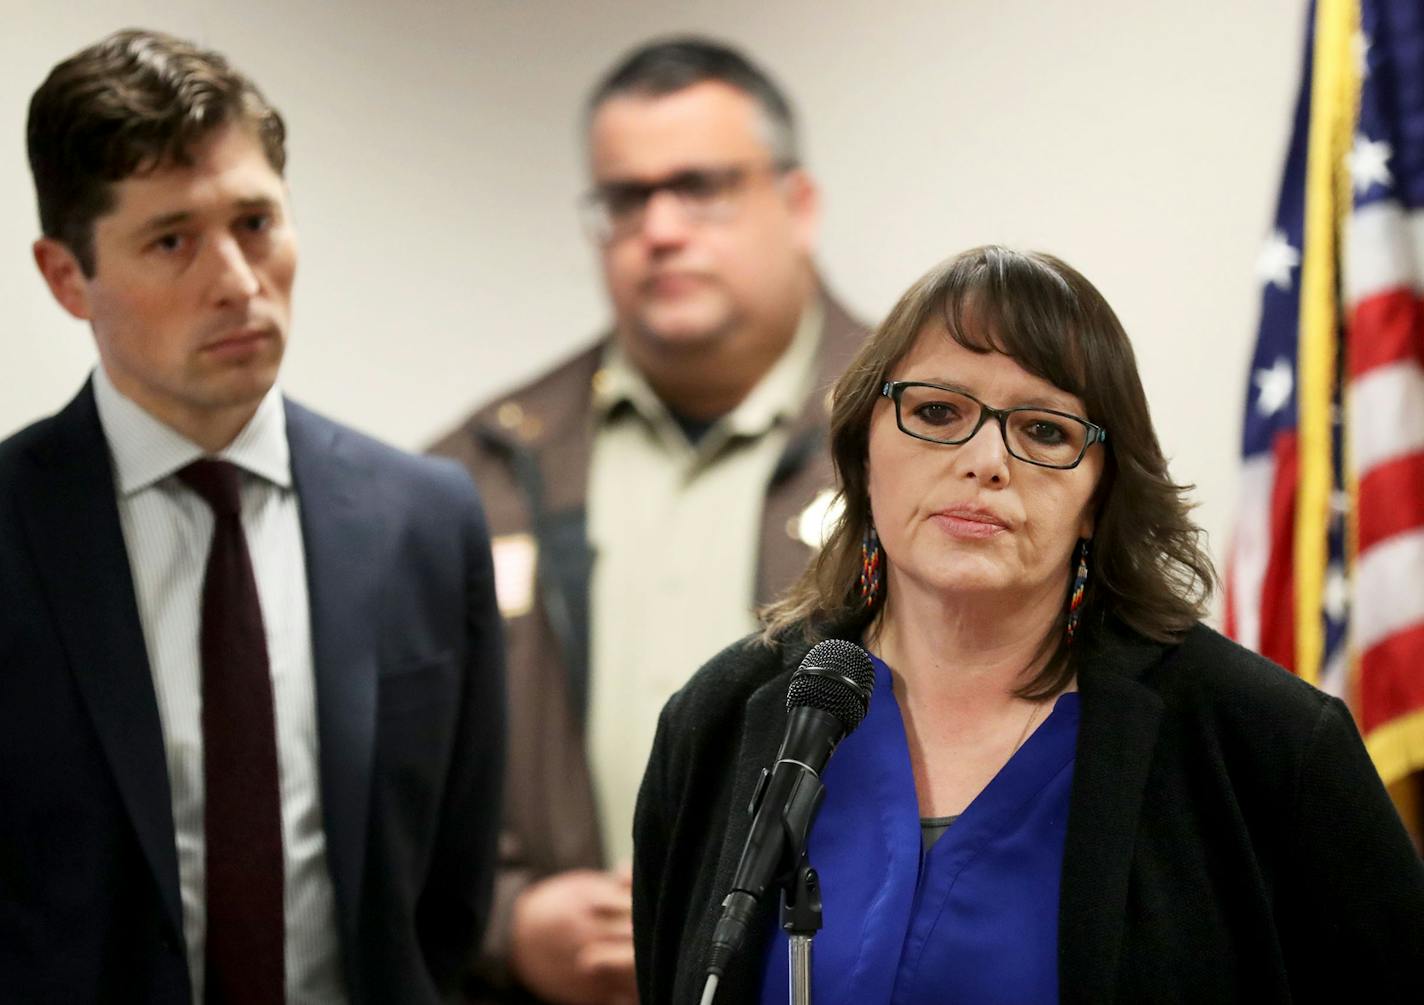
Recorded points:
(969,524)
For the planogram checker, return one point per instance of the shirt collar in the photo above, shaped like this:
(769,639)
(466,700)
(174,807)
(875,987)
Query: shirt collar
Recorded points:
(146,450)
(778,395)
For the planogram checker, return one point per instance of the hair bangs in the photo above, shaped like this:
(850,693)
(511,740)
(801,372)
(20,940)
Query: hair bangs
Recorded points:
(1014,305)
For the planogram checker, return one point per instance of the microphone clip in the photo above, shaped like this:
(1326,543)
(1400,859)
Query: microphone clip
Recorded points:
(804,799)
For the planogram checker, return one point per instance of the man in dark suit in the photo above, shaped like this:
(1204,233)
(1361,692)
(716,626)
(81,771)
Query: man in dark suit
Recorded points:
(251,692)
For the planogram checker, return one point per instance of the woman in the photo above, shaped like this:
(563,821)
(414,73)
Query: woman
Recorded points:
(1066,787)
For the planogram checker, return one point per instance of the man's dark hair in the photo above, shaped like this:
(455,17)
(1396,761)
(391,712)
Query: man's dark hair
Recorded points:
(129,104)
(668,65)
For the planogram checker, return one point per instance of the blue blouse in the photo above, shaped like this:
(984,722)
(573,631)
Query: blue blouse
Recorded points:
(974,919)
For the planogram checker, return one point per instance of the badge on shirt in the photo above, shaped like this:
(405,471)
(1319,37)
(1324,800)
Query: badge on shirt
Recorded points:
(814,524)
(515,558)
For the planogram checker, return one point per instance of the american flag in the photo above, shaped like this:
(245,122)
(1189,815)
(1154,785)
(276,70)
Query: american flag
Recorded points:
(1326,572)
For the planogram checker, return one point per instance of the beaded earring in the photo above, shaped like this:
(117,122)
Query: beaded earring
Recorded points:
(870,567)
(1080,582)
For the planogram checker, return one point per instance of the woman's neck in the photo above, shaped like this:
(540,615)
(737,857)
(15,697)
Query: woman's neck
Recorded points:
(972,650)
(957,663)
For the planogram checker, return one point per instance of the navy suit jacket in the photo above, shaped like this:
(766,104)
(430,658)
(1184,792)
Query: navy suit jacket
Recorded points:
(410,718)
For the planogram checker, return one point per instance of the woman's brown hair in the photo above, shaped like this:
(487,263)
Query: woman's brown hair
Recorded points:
(1149,570)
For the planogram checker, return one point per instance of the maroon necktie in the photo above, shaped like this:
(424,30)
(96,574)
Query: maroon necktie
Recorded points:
(242,815)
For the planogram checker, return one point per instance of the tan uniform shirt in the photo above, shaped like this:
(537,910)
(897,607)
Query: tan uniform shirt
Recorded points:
(674,529)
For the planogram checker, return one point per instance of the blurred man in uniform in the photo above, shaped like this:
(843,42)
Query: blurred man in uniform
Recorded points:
(646,495)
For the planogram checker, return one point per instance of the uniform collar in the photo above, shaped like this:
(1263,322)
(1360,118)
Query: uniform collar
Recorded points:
(776,397)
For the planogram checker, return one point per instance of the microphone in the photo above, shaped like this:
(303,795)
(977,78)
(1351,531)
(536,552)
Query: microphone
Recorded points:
(828,697)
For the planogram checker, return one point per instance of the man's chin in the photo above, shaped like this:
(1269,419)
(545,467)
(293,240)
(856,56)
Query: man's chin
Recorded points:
(682,332)
(239,386)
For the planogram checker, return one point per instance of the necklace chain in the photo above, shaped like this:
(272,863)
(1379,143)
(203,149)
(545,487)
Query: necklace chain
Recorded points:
(1023,734)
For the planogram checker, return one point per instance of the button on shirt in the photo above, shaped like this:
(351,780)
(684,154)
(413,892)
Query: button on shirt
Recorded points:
(167,531)
(676,533)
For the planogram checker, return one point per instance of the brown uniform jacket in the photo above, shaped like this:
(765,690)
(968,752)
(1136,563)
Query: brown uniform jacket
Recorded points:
(529,454)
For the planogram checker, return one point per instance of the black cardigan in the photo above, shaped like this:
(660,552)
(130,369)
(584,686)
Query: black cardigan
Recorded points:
(1228,838)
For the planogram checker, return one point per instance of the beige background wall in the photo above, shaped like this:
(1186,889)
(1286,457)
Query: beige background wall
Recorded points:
(435,162)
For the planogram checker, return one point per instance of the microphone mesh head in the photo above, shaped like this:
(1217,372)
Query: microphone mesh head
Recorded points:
(836,677)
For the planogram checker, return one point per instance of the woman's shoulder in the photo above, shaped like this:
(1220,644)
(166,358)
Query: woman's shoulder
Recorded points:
(723,684)
(1218,709)
(1212,678)
(1225,667)
(702,725)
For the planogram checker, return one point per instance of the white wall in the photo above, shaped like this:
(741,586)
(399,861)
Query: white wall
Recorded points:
(435,161)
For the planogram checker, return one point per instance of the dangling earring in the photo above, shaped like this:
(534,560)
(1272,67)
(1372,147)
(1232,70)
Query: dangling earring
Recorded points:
(870,567)
(1080,582)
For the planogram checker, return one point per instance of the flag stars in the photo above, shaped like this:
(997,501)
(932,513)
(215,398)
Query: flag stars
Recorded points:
(1277,259)
(1274,387)
(1361,46)
(1336,598)
(1339,505)
(1369,163)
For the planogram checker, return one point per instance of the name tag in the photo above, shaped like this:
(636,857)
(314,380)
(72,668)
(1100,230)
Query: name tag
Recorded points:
(515,558)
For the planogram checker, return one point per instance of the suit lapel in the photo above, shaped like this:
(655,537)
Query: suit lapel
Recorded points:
(342,533)
(72,517)
(1117,733)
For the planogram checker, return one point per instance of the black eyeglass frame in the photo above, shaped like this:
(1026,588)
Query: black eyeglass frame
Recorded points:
(893,389)
(598,220)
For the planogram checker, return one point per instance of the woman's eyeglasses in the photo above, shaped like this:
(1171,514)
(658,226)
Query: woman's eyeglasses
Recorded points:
(1042,436)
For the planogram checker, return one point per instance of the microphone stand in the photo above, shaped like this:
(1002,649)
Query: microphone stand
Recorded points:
(800,886)
(801,919)
(828,697)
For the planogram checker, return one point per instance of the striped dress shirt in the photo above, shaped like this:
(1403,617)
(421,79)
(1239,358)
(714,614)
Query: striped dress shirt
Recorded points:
(167,531)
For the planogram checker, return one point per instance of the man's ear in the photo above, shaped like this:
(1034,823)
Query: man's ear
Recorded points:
(63,274)
(804,199)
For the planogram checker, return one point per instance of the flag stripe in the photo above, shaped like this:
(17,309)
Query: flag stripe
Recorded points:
(1385,329)
(1387,594)
(1393,488)
(1390,681)
(1277,595)
(1251,552)
(1387,415)
(1384,247)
